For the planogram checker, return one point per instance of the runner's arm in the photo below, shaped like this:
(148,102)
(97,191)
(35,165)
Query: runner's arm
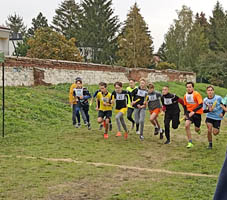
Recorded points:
(224,109)
(130,96)
(198,107)
(95,94)
(71,95)
(87,95)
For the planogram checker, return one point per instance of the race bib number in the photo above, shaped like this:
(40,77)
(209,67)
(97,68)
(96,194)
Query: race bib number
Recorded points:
(105,100)
(209,103)
(190,98)
(141,93)
(168,101)
(79,92)
(120,97)
(152,97)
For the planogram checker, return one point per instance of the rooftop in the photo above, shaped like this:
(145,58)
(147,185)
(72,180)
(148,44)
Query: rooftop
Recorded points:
(4,28)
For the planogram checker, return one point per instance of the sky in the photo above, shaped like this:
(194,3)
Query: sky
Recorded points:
(158,15)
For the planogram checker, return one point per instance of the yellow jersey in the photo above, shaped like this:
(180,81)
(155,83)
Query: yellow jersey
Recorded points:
(72,99)
(130,90)
(104,98)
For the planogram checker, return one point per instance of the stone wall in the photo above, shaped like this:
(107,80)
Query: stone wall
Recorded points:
(29,72)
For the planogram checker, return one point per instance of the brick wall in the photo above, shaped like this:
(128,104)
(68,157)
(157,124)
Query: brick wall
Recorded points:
(29,72)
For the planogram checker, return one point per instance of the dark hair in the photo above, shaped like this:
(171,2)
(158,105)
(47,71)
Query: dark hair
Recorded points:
(78,80)
(190,83)
(166,86)
(210,86)
(131,79)
(103,84)
(118,83)
(150,85)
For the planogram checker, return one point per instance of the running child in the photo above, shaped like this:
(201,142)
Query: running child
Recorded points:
(212,105)
(82,95)
(138,102)
(120,98)
(132,86)
(154,105)
(105,109)
(171,108)
(94,96)
(73,100)
(194,108)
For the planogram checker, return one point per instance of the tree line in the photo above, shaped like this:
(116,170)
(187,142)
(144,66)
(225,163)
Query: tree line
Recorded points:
(90,32)
(195,43)
(91,27)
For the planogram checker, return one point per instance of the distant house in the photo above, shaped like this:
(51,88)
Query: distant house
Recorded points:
(86,52)
(4,40)
(14,39)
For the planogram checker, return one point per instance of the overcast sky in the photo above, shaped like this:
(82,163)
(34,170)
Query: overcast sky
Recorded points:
(158,14)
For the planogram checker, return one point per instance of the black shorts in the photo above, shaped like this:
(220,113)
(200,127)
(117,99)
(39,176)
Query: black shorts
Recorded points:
(216,123)
(196,120)
(107,114)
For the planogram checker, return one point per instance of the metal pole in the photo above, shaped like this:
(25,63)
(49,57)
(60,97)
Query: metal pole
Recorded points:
(3,99)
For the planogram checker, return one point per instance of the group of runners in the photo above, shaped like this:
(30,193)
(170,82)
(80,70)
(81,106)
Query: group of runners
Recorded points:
(137,99)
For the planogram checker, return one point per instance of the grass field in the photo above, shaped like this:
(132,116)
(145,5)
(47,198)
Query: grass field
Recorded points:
(44,157)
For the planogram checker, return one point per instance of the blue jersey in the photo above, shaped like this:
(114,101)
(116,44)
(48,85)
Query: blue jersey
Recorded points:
(215,114)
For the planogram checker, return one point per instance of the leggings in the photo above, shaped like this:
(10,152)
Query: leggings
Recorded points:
(129,115)
(140,118)
(120,121)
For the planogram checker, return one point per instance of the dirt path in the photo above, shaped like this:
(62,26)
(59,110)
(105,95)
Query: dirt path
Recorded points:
(69,160)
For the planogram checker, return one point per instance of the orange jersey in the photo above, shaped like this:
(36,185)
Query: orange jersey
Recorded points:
(192,101)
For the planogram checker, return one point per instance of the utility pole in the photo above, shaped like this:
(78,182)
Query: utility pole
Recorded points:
(3,92)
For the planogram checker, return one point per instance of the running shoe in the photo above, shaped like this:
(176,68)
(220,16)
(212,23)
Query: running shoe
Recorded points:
(141,137)
(190,145)
(89,126)
(167,142)
(156,131)
(118,134)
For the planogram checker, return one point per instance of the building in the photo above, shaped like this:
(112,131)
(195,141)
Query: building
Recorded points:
(14,39)
(4,40)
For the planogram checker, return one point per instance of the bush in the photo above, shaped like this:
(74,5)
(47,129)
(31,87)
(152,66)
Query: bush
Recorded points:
(165,65)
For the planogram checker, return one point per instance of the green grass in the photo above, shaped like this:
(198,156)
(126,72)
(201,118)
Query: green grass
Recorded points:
(38,124)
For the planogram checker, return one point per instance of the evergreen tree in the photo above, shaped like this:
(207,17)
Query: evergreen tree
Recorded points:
(162,52)
(214,68)
(197,46)
(16,24)
(135,41)
(218,29)
(66,19)
(39,22)
(98,30)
